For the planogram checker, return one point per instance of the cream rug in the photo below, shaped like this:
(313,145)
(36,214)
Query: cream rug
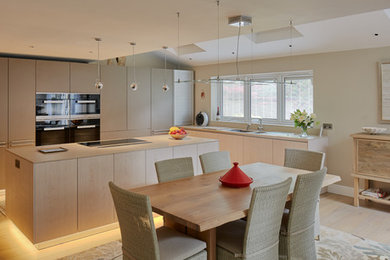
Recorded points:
(334,245)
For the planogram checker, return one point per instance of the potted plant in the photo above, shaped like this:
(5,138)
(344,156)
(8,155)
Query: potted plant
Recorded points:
(303,120)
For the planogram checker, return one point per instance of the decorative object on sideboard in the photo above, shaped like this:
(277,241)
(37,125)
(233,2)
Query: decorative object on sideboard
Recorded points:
(202,119)
(133,84)
(235,178)
(99,83)
(374,130)
(177,133)
(303,120)
(218,117)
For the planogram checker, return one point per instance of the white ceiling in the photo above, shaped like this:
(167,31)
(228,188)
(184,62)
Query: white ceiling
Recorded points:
(66,28)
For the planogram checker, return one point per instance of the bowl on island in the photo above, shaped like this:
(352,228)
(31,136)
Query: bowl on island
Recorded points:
(374,130)
(177,133)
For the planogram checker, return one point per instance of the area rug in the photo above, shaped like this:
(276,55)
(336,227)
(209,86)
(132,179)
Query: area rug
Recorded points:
(334,245)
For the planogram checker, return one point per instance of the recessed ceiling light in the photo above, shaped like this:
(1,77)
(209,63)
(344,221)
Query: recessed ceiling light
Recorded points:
(240,20)
(32,46)
(90,51)
(376,34)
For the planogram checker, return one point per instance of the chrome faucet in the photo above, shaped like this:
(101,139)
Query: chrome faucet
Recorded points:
(260,124)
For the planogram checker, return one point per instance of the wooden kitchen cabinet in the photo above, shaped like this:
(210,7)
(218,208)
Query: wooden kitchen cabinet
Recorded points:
(153,156)
(130,169)
(95,205)
(83,78)
(162,102)
(21,102)
(138,102)
(113,115)
(52,76)
(188,151)
(3,117)
(55,199)
(278,147)
(257,150)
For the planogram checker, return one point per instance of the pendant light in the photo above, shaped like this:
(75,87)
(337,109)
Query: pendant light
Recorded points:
(178,44)
(165,86)
(99,83)
(133,86)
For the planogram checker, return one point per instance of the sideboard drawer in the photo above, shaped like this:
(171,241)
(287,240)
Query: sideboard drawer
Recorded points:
(373,157)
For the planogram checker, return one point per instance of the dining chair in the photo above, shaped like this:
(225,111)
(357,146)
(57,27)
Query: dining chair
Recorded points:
(310,161)
(174,169)
(215,161)
(258,237)
(297,230)
(140,239)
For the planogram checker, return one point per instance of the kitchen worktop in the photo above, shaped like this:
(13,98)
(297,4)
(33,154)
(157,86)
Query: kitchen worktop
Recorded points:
(253,133)
(75,150)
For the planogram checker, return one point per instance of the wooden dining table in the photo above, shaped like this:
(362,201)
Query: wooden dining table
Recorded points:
(198,205)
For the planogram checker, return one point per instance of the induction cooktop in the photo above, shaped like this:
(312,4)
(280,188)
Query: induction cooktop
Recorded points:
(113,143)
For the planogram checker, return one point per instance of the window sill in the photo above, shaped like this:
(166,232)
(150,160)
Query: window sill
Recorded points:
(265,123)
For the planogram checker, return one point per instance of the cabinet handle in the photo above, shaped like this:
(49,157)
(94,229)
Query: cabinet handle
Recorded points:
(21,143)
(85,126)
(53,128)
(86,101)
(54,101)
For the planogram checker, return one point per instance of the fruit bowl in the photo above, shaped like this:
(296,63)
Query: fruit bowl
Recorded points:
(178,136)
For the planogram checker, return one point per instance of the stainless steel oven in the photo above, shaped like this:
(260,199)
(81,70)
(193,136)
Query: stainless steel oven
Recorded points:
(51,106)
(83,106)
(51,132)
(82,130)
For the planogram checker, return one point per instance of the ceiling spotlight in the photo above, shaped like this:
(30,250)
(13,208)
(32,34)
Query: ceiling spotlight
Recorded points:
(240,20)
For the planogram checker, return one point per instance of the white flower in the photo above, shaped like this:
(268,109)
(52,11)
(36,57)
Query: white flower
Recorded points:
(301,118)
(313,116)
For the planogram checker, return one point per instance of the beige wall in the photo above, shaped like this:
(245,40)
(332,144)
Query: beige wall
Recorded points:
(345,94)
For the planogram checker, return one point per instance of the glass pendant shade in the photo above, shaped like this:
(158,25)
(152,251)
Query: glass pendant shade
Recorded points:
(165,87)
(99,83)
(133,85)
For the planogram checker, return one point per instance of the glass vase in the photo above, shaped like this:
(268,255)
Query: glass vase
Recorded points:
(303,132)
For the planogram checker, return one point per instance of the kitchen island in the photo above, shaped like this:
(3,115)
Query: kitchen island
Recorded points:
(57,197)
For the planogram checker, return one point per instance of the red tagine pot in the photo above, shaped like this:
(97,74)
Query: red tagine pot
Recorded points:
(235,178)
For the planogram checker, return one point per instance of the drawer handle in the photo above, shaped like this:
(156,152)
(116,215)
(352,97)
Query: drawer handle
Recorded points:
(53,128)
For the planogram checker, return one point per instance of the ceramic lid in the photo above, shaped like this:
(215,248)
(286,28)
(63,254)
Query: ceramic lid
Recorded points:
(236,176)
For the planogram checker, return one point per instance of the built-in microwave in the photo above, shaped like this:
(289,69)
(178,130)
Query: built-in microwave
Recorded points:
(84,106)
(51,105)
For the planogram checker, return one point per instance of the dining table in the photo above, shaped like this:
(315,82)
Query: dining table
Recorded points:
(198,205)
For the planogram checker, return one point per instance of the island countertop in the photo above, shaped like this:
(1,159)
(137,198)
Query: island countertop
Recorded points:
(75,150)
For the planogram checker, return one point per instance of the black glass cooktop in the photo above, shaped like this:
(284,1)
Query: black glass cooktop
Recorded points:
(112,143)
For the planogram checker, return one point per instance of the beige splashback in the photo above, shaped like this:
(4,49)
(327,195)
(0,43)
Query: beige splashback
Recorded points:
(345,94)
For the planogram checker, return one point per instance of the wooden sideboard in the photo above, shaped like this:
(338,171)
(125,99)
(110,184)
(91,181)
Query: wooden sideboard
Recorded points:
(371,163)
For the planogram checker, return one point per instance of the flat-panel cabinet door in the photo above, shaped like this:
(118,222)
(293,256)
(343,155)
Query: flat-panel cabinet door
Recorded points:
(183,97)
(153,156)
(257,150)
(206,148)
(83,78)
(2,166)
(188,151)
(278,147)
(233,144)
(114,99)
(52,76)
(130,169)
(21,102)
(3,101)
(95,205)
(55,199)
(162,102)
(138,102)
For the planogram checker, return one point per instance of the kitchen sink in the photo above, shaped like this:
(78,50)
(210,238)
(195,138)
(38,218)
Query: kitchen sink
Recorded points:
(247,131)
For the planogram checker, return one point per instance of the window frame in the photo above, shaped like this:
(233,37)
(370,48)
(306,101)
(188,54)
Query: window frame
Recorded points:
(281,97)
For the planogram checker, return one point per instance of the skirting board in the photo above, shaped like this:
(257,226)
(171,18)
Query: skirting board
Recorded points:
(341,190)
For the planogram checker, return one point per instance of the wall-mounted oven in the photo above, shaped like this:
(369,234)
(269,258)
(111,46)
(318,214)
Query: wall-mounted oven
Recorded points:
(82,130)
(52,105)
(84,105)
(51,132)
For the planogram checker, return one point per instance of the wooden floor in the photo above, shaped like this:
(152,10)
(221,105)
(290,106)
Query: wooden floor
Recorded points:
(371,221)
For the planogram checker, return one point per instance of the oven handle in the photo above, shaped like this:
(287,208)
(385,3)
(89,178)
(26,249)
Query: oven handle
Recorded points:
(53,128)
(85,126)
(86,101)
(54,101)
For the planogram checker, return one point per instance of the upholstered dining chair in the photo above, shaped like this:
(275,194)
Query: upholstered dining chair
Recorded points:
(310,161)
(258,237)
(297,230)
(215,161)
(174,169)
(140,239)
